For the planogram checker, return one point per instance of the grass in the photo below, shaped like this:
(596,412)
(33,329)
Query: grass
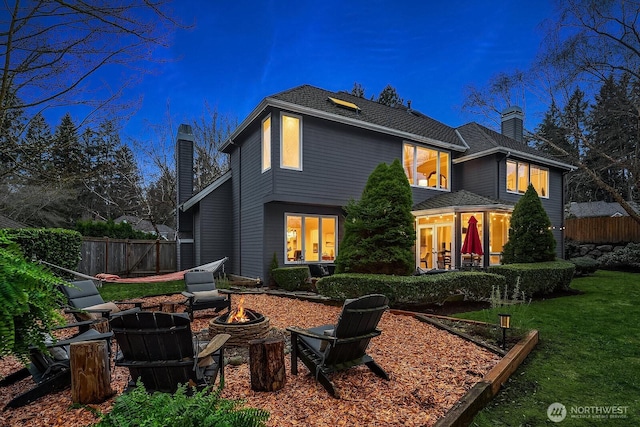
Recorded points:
(123,291)
(588,355)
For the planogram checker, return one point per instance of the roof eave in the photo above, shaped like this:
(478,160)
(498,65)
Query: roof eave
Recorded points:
(272,102)
(522,154)
(464,208)
(195,199)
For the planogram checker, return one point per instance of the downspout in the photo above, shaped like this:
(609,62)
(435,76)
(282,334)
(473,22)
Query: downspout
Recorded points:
(239,206)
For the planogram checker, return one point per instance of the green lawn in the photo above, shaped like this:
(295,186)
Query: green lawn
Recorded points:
(588,355)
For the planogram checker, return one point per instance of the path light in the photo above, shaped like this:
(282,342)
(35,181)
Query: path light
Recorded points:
(505,323)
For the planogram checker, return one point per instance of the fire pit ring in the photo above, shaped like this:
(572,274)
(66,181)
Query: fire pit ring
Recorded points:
(241,333)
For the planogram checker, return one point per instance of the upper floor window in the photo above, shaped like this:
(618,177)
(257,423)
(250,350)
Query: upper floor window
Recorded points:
(291,142)
(426,167)
(266,144)
(520,174)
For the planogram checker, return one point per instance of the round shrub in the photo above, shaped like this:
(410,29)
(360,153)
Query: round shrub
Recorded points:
(292,278)
(585,265)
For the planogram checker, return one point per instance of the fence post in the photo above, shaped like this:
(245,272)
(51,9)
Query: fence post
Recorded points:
(157,256)
(106,256)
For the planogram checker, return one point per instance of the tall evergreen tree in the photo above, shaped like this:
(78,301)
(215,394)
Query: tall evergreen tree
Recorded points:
(389,96)
(36,151)
(530,236)
(379,234)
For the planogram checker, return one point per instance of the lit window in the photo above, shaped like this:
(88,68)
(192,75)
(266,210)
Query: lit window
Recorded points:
(425,167)
(266,144)
(520,174)
(498,235)
(291,143)
(310,238)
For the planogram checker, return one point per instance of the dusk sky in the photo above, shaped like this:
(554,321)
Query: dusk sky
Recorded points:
(239,52)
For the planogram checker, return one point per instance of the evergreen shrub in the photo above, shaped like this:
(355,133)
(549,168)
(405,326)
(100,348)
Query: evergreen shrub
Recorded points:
(110,229)
(292,278)
(584,265)
(626,259)
(425,289)
(29,297)
(536,279)
(378,230)
(55,245)
(530,236)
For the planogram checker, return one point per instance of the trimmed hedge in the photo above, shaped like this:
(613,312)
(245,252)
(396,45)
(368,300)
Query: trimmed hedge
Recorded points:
(292,278)
(536,278)
(55,245)
(425,289)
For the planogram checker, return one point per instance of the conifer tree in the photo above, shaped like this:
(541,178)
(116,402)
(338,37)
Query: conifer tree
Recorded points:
(530,236)
(379,233)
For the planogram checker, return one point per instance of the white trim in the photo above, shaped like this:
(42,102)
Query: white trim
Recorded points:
(262,143)
(520,154)
(295,116)
(205,191)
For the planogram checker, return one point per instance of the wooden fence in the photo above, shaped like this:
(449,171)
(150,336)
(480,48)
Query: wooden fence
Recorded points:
(127,258)
(613,230)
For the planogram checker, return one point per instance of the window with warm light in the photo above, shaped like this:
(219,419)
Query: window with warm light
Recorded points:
(310,238)
(266,144)
(426,167)
(498,235)
(291,142)
(520,174)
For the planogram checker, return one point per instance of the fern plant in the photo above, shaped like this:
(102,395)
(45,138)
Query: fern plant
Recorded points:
(203,408)
(29,297)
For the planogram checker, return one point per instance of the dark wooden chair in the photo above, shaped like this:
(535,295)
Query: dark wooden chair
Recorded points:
(330,348)
(159,349)
(50,370)
(202,294)
(86,303)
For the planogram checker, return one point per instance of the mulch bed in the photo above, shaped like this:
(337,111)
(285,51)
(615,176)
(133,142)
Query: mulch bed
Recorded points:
(430,370)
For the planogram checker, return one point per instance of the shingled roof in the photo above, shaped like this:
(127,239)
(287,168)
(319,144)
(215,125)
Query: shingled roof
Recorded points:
(399,118)
(481,140)
(459,199)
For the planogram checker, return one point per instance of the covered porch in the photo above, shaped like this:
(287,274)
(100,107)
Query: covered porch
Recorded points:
(442,223)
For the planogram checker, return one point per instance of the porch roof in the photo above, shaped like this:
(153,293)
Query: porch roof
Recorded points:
(460,199)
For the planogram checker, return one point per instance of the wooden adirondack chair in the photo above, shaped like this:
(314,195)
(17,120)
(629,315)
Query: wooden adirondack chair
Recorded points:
(86,303)
(159,349)
(330,348)
(50,371)
(201,293)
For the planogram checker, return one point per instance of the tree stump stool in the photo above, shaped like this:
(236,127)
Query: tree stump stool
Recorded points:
(101,325)
(90,379)
(266,364)
(169,307)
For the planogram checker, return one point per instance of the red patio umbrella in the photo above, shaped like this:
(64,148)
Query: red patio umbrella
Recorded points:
(472,244)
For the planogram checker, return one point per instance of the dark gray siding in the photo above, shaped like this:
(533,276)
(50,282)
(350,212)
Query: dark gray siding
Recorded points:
(479,176)
(215,219)
(274,230)
(197,234)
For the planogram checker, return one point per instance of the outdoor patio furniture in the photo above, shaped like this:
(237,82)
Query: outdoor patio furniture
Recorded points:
(159,349)
(86,303)
(202,293)
(51,372)
(330,348)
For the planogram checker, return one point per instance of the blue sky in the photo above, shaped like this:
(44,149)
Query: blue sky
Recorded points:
(239,52)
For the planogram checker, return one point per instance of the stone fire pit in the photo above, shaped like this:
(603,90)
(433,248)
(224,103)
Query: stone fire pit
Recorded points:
(255,326)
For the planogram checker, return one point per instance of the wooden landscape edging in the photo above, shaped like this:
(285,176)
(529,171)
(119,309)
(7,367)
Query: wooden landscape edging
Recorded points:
(463,412)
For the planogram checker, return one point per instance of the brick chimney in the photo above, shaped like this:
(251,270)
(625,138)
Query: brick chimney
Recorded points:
(512,123)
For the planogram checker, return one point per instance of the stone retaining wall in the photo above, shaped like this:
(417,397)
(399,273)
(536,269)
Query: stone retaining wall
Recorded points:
(590,250)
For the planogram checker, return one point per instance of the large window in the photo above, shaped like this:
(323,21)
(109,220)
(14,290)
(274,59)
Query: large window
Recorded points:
(426,167)
(520,174)
(498,235)
(290,142)
(266,144)
(310,238)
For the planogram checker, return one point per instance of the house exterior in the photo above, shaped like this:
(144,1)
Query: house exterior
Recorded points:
(302,154)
